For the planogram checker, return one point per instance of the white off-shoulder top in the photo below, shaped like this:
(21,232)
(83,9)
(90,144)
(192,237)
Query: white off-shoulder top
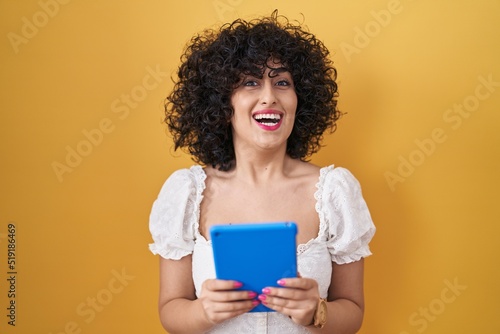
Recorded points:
(345,230)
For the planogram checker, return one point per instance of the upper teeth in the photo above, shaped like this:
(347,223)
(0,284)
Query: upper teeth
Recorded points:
(268,116)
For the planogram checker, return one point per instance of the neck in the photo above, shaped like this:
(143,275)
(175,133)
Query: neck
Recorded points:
(260,168)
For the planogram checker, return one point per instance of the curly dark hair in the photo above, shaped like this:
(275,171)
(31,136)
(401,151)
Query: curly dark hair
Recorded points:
(198,111)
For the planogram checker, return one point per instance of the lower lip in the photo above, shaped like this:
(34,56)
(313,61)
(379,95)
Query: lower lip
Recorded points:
(269,128)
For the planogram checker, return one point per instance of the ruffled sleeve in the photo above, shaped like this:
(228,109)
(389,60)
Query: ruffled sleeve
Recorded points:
(174,216)
(349,226)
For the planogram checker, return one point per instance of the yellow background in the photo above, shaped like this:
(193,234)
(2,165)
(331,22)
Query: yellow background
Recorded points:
(80,228)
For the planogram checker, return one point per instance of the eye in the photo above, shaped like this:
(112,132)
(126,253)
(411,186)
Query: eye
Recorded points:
(283,83)
(250,82)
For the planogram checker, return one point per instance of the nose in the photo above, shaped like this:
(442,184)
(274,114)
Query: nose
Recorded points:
(267,96)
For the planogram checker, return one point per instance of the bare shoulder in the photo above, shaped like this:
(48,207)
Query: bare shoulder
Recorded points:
(302,169)
(215,175)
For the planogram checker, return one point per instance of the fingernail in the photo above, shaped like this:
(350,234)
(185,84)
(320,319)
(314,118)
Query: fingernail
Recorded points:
(238,285)
(255,302)
(266,291)
(252,294)
(281,282)
(262,297)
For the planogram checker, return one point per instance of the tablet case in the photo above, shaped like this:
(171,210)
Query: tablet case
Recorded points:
(257,255)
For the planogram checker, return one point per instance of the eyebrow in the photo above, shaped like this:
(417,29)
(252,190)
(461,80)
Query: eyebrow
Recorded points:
(275,71)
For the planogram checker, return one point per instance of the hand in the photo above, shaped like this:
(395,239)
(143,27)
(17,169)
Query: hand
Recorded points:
(297,298)
(220,300)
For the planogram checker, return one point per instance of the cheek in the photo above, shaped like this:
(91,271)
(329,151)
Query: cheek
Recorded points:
(233,101)
(242,105)
(237,103)
(293,102)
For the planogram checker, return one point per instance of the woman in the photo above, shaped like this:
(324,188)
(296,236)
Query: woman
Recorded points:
(251,104)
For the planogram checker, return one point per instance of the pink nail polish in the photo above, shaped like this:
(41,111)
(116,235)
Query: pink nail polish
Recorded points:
(252,294)
(281,282)
(262,297)
(266,291)
(237,285)
(255,302)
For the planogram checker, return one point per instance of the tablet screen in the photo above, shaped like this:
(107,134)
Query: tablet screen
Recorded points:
(257,255)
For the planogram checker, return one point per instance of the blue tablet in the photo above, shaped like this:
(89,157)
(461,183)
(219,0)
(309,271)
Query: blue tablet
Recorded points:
(257,255)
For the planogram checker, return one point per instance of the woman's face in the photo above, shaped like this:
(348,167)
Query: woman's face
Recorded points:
(264,109)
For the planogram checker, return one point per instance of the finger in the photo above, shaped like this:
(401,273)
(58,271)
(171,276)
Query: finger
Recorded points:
(231,296)
(287,293)
(221,285)
(241,306)
(281,304)
(218,312)
(298,283)
(300,311)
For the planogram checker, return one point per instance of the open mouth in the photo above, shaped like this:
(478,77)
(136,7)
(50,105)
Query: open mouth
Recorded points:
(267,119)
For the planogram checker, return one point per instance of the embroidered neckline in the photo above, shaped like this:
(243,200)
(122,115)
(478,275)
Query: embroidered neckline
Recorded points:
(200,176)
